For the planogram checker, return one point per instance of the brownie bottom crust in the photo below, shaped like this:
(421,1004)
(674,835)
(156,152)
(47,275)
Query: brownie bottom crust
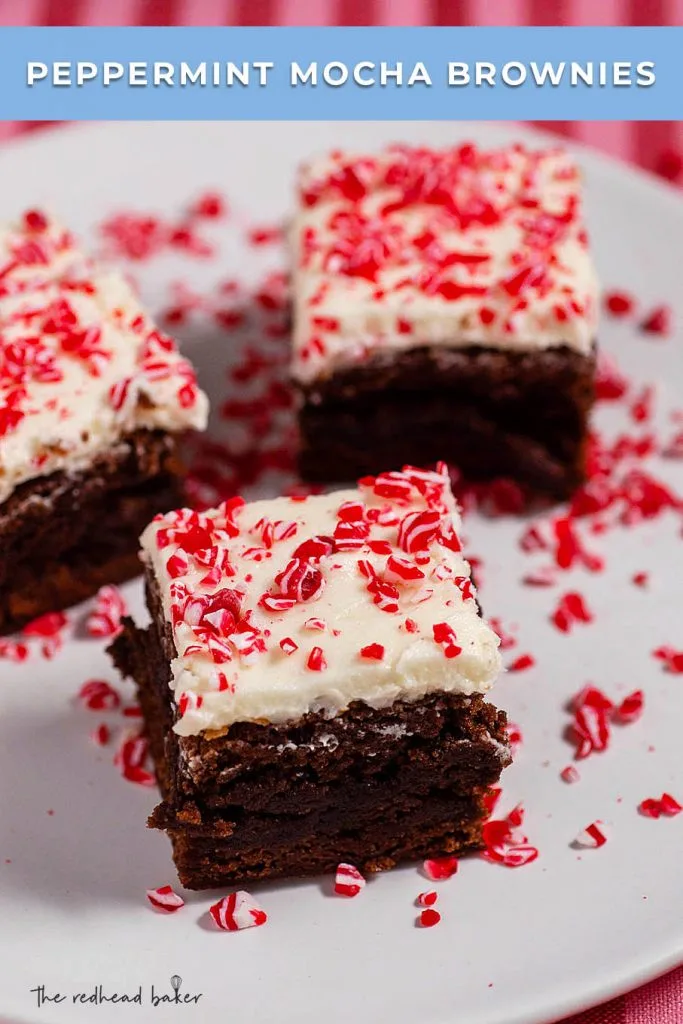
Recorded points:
(371,787)
(489,413)
(63,536)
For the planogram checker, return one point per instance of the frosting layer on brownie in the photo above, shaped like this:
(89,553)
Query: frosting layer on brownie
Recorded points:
(81,364)
(286,606)
(415,247)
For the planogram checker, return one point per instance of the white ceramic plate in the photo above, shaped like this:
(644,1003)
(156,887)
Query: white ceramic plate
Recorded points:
(513,947)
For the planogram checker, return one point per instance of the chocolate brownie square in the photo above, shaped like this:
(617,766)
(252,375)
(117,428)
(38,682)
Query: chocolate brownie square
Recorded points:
(445,307)
(313,682)
(92,401)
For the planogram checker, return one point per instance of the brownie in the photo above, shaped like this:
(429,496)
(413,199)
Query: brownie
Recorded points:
(516,415)
(275,763)
(93,399)
(63,536)
(445,308)
(369,787)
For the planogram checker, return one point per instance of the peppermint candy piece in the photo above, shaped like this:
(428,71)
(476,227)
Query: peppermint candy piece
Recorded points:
(403,571)
(666,805)
(445,635)
(12,650)
(316,660)
(659,321)
(440,869)
(592,837)
(429,917)
(372,652)
(237,911)
(288,645)
(105,618)
(426,899)
(514,737)
(300,580)
(99,695)
(520,664)
(570,774)
(348,880)
(631,708)
(417,530)
(544,577)
(165,899)
(101,735)
(516,856)
(130,759)
(48,625)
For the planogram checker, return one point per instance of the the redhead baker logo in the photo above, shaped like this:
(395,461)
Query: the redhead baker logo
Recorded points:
(99,995)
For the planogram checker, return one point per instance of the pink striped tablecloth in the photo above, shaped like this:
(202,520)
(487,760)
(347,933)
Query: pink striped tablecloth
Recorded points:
(656,146)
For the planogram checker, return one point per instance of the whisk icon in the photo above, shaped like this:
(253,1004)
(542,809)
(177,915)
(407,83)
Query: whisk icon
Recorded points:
(176,982)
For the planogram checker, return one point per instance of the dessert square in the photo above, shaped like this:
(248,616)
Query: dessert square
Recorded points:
(92,401)
(445,307)
(313,682)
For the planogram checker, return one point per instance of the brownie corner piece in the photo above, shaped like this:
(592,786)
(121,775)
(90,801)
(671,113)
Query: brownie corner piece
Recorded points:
(320,704)
(445,308)
(93,400)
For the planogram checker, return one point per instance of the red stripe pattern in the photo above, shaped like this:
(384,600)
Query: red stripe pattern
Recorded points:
(654,145)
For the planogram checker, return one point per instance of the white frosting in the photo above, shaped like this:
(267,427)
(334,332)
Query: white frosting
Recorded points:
(345,313)
(271,685)
(80,362)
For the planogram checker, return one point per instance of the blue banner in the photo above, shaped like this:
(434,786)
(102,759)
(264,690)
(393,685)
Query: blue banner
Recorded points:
(341,73)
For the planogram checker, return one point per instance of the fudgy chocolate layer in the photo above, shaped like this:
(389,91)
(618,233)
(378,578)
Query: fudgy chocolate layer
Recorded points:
(261,800)
(491,413)
(62,536)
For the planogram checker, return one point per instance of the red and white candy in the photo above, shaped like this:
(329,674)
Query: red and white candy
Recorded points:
(441,868)
(165,899)
(667,806)
(105,618)
(592,837)
(99,695)
(348,880)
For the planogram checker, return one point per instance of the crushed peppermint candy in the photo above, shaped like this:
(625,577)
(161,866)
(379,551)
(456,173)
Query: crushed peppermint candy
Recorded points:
(45,636)
(348,880)
(14,650)
(570,774)
(429,917)
(427,899)
(440,869)
(520,664)
(105,618)
(571,609)
(619,303)
(101,735)
(505,844)
(670,658)
(165,899)
(131,759)
(237,911)
(246,580)
(99,695)
(592,837)
(630,709)
(78,329)
(666,806)
(514,734)
(658,322)
(484,231)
